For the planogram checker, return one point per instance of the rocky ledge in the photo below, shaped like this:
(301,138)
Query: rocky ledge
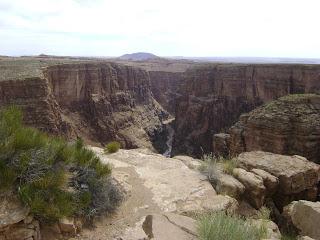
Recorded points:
(159,191)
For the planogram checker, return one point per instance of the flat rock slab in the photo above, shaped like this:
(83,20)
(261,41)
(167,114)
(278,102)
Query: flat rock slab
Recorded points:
(156,186)
(295,173)
(174,186)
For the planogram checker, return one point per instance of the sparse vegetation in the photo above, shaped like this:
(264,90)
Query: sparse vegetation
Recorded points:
(264,213)
(210,166)
(112,147)
(223,226)
(228,165)
(53,177)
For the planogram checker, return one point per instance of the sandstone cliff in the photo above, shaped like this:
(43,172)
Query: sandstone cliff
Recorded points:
(165,87)
(214,96)
(97,101)
(289,125)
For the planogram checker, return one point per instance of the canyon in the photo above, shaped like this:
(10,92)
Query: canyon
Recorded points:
(128,101)
(166,114)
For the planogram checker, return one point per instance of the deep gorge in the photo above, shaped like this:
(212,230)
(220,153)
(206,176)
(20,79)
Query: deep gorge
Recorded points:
(106,101)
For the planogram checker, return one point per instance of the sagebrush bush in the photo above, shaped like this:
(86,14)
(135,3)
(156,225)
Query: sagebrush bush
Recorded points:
(43,169)
(222,226)
(112,147)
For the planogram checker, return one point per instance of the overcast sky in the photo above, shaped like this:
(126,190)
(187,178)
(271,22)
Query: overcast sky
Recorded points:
(262,28)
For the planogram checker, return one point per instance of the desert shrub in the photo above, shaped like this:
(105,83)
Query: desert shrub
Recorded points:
(209,167)
(222,226)
(212,165)
(112,147)
(43,170)
(264,213)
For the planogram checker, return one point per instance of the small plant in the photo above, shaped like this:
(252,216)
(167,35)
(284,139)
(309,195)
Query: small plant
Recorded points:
(223,226)
(264,213)
(209,167)
(228,165)
(112,147)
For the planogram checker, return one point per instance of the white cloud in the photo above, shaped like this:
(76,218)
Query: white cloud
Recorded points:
(287,28)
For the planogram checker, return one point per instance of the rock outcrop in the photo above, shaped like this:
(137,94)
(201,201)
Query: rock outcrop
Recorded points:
(304,216)
(289,126)
(213,97)
(293,177)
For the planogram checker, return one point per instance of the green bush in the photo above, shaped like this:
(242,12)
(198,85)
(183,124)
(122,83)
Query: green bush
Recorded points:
(221,226)
(47,172)
(112,147)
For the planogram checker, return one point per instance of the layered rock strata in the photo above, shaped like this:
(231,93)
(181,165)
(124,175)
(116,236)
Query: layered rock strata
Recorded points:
(214,96)
(97,101)
(289,125)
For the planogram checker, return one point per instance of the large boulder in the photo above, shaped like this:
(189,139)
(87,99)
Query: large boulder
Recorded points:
(298,177)
(289,126)
(229,185)
(255,191)
(305,216)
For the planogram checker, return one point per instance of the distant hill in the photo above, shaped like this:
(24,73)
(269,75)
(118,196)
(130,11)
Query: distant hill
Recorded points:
(139,56)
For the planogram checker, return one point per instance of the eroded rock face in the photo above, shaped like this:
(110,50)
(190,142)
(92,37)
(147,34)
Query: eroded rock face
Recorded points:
(213,97)
(99,102)
(305,216)
(289,125)
(298,178)
(165,87)
(36,98)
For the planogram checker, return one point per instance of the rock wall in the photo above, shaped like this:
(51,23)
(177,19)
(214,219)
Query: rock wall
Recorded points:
(214,96)
(34,95)
(99,102)
(165,87)
(289,126)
